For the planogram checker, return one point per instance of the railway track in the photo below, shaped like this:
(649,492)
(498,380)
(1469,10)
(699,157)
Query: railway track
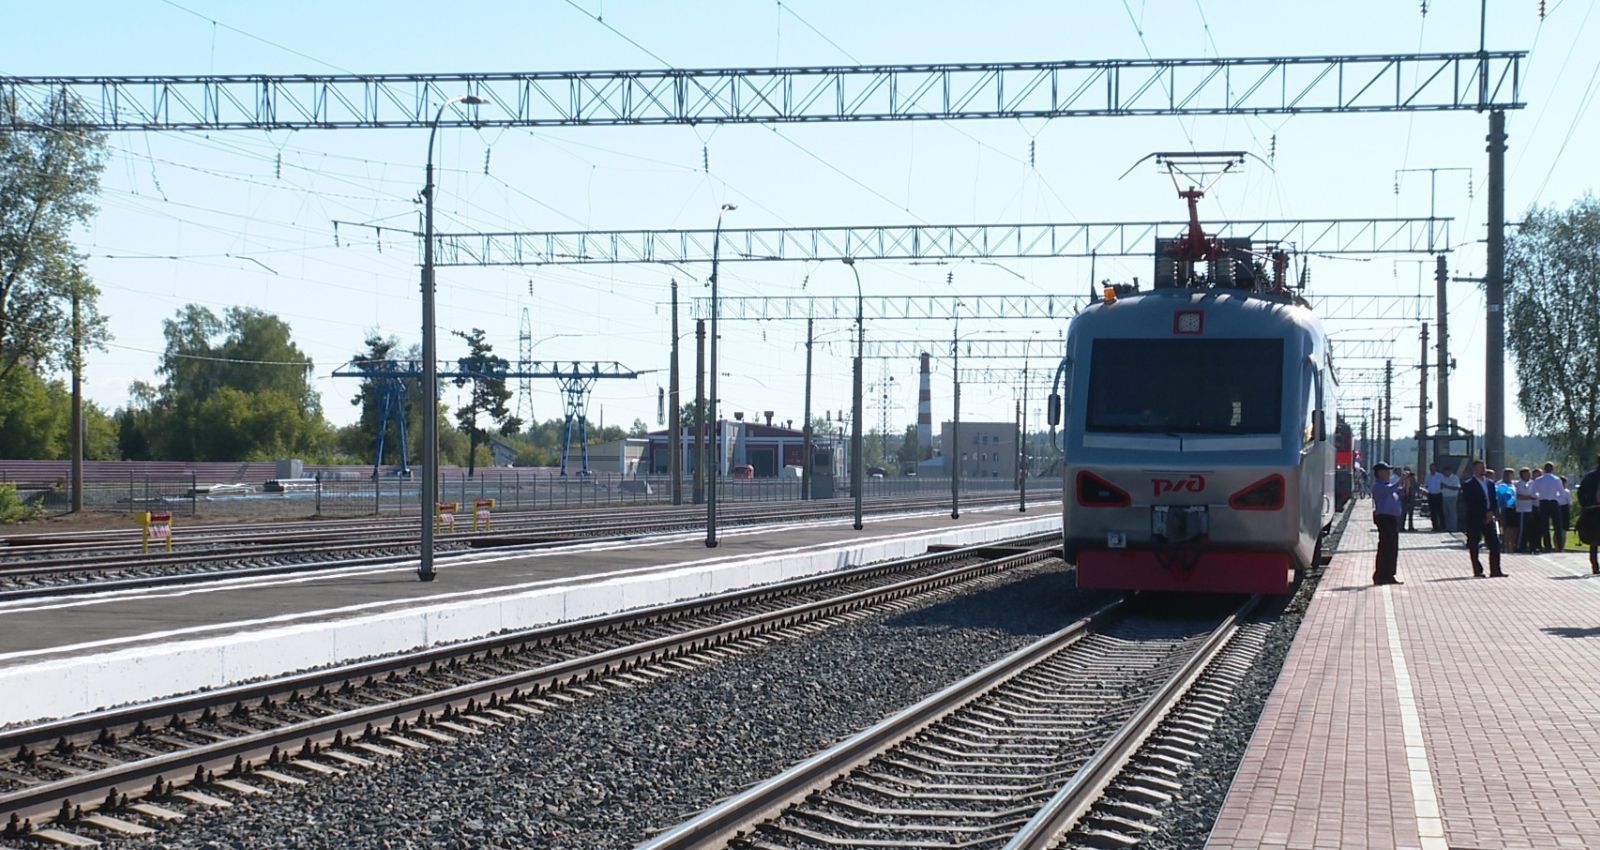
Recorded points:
(1015,756)
(20,546)
(44,574)
(125,771)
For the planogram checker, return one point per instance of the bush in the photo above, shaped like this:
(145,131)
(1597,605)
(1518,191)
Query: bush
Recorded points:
(12,508)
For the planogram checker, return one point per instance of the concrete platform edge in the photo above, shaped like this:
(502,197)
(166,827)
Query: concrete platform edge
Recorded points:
(63,687)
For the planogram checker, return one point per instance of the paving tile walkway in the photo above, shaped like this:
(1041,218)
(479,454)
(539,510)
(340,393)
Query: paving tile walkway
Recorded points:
(1447,712)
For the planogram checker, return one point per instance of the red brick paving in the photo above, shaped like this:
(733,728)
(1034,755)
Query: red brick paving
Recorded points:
(1504,675)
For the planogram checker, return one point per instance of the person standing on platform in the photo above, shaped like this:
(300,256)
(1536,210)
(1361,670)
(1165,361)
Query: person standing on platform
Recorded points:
(1563,515)
(1434,484)
(1546,490)
(1589,515)
(1386,516)
(1525,510)
(1507,491)
(1408,500)
(1481,504)
(1449,491)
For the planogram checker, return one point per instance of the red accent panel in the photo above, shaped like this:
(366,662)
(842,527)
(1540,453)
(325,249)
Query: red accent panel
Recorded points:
(1214,572)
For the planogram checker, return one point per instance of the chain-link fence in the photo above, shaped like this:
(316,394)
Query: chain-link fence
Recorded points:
(350,494)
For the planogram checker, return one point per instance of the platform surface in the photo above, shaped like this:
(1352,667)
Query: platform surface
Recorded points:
(1450,711)
(31,631)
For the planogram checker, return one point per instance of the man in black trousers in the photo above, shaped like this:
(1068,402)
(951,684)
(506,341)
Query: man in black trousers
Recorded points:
(1482,516)
(1588,510)
(1386,516)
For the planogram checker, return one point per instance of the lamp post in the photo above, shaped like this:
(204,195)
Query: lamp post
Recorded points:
(430,363)
(716,462)
(857,458)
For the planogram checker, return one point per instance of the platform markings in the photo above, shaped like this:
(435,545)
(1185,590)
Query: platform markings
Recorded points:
(412,603)
(1430,824)
(465,560)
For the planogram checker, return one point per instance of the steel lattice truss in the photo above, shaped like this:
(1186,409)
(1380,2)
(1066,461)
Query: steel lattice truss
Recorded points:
(1345,350)
(1035,377)
(1420,82)
(514,369)
(1041,349)
(1010,307)
(1051,240)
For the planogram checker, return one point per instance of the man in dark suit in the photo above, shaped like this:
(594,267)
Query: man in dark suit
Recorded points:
(1482,515)
(1588,509)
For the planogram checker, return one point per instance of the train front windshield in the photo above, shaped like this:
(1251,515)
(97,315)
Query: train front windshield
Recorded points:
(1186,386)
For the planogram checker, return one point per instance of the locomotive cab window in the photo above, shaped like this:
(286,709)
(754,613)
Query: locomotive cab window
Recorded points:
(1186,386)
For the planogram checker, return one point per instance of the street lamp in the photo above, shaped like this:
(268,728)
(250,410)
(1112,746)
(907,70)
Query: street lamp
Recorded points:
(430,363)
(857,460)
(716,309)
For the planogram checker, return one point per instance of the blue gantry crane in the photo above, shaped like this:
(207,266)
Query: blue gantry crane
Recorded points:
(575,378)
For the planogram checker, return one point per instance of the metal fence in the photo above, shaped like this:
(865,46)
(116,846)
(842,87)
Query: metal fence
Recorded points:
(512,489)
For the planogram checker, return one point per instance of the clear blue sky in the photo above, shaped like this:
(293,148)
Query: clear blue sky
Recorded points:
(267,199)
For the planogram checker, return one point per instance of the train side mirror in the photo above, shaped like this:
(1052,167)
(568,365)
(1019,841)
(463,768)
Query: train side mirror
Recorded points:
(1055,409)
(1320,422)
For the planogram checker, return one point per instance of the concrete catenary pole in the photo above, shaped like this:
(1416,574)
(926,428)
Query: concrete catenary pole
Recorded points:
(1442,364)
(699,411)
(805,462)
(674,414)
(1422,409)
(1494,290)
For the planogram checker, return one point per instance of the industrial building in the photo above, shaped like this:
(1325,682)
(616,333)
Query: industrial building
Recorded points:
(984,449)
(766,448)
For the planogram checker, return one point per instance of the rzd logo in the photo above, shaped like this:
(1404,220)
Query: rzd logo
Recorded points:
(1192,484)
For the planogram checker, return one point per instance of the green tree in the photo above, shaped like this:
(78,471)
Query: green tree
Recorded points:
(910,452)
(48,180)
(488,396)
(35,420)
(234,388)
(1553,325)
(638,429)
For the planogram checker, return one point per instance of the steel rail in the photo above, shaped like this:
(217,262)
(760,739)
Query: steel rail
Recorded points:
(36,800)
(521,521)
(521,538)
(1086,786)
(723,822)
(726,821)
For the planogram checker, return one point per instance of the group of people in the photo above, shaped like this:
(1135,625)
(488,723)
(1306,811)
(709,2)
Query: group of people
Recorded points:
(1534,506)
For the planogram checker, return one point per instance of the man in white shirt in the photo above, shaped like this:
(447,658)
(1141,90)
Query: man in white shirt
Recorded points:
(1563,515)
(1449,491)
(1434,484)
(1526,511)
(1546,489)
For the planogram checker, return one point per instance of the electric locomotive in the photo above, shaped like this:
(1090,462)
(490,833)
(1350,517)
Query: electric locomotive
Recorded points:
(1198,453)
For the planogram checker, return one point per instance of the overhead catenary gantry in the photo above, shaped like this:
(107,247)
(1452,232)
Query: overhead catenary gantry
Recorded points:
(1285,85)
(1037,241)
(1482,81)
(978,348)
(1006,307)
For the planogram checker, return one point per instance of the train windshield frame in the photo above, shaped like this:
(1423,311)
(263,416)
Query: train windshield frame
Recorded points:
(1222,386)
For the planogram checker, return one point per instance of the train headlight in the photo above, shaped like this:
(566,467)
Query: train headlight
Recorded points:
(1189,322)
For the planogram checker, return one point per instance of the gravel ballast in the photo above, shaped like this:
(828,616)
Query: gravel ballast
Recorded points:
(612,769)
(1186,823)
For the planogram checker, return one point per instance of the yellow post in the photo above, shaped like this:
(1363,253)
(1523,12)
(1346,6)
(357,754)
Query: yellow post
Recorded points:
(157,525)
(481,510)
(444,515)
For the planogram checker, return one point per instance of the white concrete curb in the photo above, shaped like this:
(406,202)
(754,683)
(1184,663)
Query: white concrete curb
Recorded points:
(67,686)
